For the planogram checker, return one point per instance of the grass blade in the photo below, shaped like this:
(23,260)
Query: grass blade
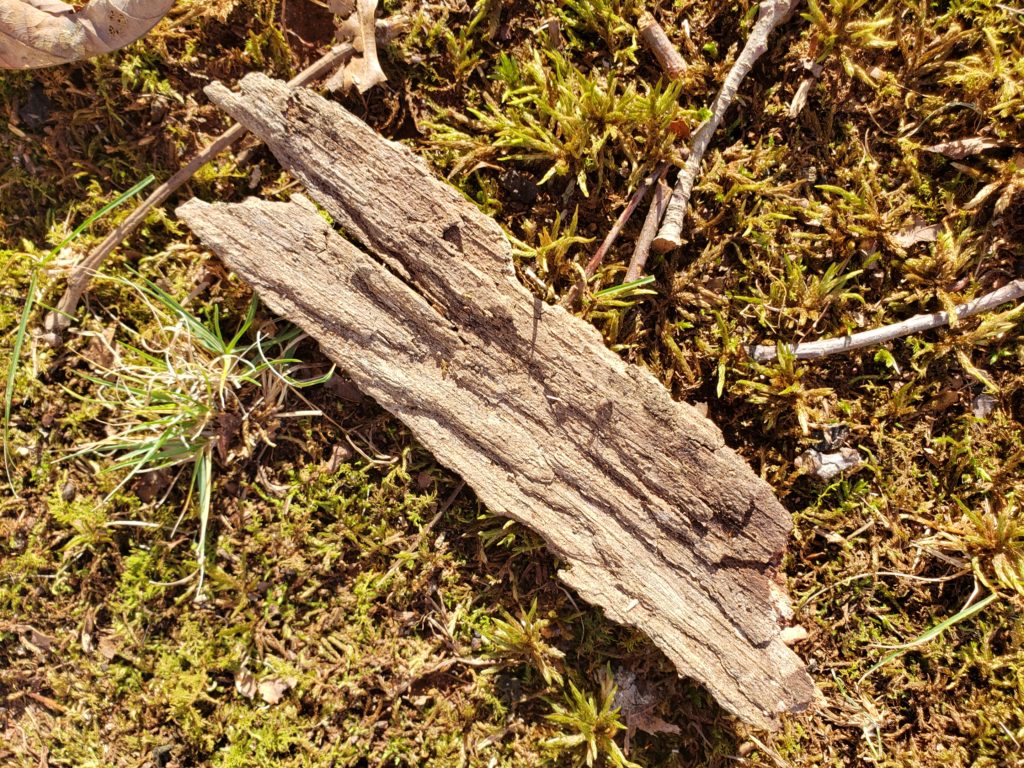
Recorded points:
(26,312)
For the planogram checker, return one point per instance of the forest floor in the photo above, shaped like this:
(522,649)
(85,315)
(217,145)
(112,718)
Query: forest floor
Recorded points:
(358,606)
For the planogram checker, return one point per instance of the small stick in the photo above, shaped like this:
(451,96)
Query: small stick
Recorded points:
(815,350)
(59,320)
(613,233)
(771,13)
(799,101)
(642,248)
(653,36)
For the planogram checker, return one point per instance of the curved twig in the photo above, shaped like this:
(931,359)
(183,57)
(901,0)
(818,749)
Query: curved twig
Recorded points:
(771,14)
(917,324)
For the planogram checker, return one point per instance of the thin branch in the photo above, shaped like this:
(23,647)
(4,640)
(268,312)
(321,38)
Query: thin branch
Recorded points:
(653,36)
(815,350)
(59,320)
(613,233)
(770,15)
(642,248)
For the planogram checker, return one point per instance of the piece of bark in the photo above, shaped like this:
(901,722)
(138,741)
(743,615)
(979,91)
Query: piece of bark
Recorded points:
(656,519)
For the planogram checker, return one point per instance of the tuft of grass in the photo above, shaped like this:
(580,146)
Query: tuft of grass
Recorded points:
(174,397)
(21,332)
(587,126)
(525,639)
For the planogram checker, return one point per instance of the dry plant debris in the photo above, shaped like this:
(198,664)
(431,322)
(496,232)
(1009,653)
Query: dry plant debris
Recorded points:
(770,14)
(363,71)
(45,33)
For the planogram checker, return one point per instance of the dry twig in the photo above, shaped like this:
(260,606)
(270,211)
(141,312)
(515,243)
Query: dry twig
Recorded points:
(653,36)
(613,233)
(770,15)
(642,247)
(59,320)
(917,324)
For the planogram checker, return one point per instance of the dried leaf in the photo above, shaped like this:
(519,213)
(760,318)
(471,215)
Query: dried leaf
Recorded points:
(37,642)
(917,232)
(274,689)
(88,628)
(983,405)
(100,352)
(829,465)
(108,646)
(680,127)
(637,699)
(51,6)
(342,7)
(983,194)
(961,148)
(44,33)
(245,683)
(363,71)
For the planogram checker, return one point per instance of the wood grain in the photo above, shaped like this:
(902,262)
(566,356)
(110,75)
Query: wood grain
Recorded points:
(657,520)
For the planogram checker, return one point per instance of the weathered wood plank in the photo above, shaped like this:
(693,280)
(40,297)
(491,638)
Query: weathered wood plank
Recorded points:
(660,522)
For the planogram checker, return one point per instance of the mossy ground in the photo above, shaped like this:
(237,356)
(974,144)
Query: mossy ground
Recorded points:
(383,639)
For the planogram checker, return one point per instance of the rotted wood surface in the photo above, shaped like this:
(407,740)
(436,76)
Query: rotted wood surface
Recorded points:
(657,520)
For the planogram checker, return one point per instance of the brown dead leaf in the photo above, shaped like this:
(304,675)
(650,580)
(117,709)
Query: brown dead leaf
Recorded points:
(982,195)
(37,642)
(89,630)
(44,33)
(961,148)
(228,428)
(680,127)
(100,351)
(363,71)
(637,699)
(108,646)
